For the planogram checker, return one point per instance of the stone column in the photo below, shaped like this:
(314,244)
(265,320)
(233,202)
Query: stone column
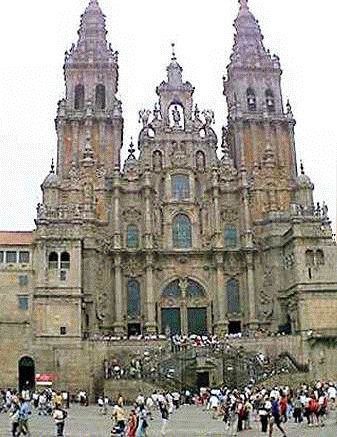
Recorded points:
(221,324)
(252,321)
(148,218)
(119,325)
(150,304)
(116,209)
(183,306)
(215,185)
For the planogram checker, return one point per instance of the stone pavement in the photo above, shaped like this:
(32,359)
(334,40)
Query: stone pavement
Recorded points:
(186,422)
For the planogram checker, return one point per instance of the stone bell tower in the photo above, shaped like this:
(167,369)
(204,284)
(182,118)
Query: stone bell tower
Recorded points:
(90,113)
(260,131)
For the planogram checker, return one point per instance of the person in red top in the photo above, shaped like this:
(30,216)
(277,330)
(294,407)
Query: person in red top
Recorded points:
(283,408)
(132,424)
(313,408)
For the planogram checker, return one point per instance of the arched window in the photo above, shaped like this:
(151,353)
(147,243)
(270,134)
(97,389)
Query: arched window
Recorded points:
(180,187)
(319,257)
(79,97)
(172,290)
(182,232)
(309,258)
(53,261)
(134,304)
(270,101)
(100,97)
(233,296)
(251,99)
(194,289)
(132,239)
(231,236)
(65,261)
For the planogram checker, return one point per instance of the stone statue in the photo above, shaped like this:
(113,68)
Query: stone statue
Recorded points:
(183,284)
(176,116)
(325,211)
(144,116)
(200,161)
(157,161)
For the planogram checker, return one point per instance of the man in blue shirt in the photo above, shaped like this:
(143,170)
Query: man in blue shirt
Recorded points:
(24,413)
(275,417)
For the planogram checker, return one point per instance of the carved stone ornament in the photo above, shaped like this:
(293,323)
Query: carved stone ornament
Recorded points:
(131,213)
(132,267)
(266,306)
(229,215)
(232,264)
(268,277)
(178,156)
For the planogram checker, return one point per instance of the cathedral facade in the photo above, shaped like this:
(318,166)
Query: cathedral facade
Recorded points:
(182,238)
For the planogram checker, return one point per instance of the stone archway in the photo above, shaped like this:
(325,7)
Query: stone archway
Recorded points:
(26,367)
(184,308)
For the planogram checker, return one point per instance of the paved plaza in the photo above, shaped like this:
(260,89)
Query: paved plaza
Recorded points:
(186,422)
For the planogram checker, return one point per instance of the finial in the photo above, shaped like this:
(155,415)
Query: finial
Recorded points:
(244,3)
(174,58)
(131,150)
(52,167)
(302,167)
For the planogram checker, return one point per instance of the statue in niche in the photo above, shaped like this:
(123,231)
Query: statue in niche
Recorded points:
(200,161)
(88,193)
(157,161)
(176,116)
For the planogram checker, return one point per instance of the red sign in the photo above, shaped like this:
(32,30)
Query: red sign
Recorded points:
(45,377)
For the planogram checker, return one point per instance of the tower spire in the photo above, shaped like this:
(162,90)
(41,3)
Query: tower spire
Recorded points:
(92,45)
(248,46)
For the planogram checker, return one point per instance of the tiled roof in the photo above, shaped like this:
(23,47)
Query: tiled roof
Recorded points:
(14,238)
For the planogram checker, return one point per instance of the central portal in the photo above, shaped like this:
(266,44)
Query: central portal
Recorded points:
(184,308)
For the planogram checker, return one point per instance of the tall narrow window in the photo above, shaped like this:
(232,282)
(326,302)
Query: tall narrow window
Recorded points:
(53,260)
(182,232)
(23,303)
(180,187)
(132,239)
(251,99)
(65,260)
(1,256)
(100,96)
(134,304)
(309,258)
(79,97)
(233,296)
(319,257)
(231,236)
(270,101)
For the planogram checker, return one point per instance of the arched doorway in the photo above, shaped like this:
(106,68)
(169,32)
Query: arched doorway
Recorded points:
(184,308)
(26,374)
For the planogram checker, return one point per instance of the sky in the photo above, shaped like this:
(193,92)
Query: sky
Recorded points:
(35,34)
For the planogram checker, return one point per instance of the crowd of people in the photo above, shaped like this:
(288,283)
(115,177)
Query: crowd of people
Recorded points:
(273,408)
(46,402)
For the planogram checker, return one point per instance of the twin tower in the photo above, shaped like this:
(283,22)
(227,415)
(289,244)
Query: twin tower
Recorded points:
(178,240)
